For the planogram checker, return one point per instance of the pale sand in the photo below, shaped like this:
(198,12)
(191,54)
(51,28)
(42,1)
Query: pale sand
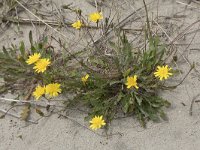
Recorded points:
(181,132)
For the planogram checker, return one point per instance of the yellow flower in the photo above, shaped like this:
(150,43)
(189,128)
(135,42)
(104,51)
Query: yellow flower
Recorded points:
(85,78)
(53,89)
(95,17)
(163,72)
(41,65)
(33,58)
(77,25)
(97,122)
(132,82)
(39,91)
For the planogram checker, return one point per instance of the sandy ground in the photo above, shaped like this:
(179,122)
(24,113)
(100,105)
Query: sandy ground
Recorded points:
(181,132)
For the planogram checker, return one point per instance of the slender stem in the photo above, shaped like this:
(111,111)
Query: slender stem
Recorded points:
(147,17)
(27,102)
(73,120)
(191,106)
(172,87)
(41,20)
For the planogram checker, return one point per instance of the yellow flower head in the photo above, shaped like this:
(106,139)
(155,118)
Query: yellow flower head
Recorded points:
(77,25)
(39,91)
(33,58)
(85,78)
(163,72)
(95,17)
(53,89)
(41,65)
(97,122)
(132,82)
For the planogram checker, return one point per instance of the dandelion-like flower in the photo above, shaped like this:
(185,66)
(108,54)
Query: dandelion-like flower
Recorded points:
(97,122)
(95,17)
(163,72)
(39,91)
(132,82)
(53,89)
(41,65)
(33,58)
(77,25)
(85,78)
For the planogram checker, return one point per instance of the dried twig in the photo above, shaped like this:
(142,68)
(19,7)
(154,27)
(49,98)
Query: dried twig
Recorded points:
(193,100)
(173,87)
(28,102)
(39,19)
(73,120)
(16,116)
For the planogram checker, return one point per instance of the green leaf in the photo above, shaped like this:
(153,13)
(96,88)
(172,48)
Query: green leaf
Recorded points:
(39,112)
(126,73)
(5,51)
(3,89)
(126,101)
(125,107)
(115,82)
(139,100)
(31,38)
(141,119)
(167,104)
(163,116)
(22,49)
(119,98)
(154,117)
(33,49)
(45,40)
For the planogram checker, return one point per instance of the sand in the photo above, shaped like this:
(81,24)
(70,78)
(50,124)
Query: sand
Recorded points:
(181,132)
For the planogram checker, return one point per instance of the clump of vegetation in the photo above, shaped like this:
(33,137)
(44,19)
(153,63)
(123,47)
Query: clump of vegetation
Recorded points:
(125,80)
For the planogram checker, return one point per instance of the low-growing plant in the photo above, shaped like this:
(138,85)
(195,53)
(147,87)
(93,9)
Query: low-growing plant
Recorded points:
(108,92)
(125,80)
(101,82)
